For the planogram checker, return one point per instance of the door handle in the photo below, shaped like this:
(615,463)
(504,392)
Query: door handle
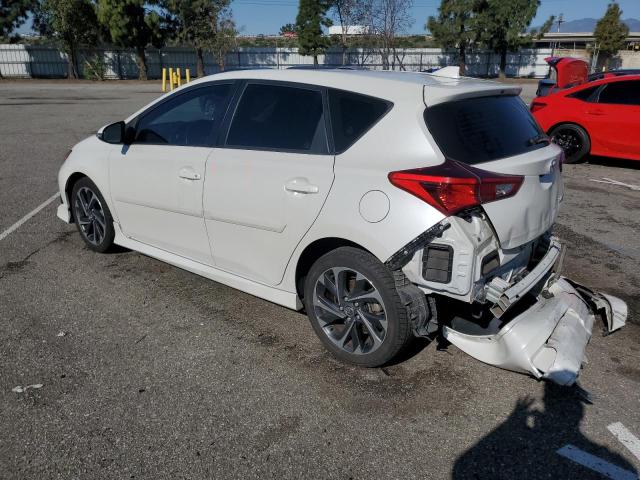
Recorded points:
(300,185)
(189,174)
(597,112)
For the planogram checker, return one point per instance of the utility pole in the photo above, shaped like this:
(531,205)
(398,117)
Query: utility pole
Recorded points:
(555,44)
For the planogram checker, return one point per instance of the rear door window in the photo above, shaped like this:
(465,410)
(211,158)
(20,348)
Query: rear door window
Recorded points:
(476,130)
(278,117)
(621,93)
(352,115)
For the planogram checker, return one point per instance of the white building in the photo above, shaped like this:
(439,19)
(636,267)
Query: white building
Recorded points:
(351,30)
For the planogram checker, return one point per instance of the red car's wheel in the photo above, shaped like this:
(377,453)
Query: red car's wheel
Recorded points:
(573,139)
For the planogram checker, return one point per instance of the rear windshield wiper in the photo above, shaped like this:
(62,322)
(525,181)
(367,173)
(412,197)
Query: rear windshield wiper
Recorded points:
(541,138)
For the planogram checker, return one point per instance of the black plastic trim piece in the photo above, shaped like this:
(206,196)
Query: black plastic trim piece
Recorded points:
(404,255)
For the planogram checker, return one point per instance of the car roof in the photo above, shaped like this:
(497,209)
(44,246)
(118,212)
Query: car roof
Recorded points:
(399,87)
(395,86)
(600,81)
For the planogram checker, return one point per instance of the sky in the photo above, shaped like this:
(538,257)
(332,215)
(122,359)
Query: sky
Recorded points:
(267,16)
(255,17)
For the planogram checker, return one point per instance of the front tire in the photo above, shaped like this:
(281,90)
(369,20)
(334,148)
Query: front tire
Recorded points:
(573,139)
(355,309)
(92,216)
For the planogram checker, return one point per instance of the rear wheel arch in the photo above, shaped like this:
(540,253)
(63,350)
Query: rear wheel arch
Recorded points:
(313,252)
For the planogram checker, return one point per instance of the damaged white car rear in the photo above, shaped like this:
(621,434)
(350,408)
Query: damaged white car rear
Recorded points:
(500,189)
(386,204)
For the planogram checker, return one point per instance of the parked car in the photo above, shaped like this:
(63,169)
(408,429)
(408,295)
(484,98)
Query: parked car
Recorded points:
(364,198)
(613,73)
(564,72)
(600,118)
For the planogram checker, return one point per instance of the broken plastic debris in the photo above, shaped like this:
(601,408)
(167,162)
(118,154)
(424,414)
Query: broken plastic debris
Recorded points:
(21,389)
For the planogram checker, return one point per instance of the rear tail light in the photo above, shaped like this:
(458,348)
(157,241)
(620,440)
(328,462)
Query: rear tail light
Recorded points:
(451,186)
(536,105)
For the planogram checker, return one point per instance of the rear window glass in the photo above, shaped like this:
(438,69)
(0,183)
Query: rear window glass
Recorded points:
(476,130)
(352,115)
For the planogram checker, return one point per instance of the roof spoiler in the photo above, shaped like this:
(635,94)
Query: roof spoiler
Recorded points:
(447,72)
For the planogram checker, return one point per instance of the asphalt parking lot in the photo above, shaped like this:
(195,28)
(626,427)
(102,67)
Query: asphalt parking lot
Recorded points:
(148,371)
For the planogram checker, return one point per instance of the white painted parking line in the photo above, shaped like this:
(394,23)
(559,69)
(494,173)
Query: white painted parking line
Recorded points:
(625,437)
(596,464)
(24,219)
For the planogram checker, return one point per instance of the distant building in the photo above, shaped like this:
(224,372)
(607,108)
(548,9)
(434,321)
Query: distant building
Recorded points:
(351,30)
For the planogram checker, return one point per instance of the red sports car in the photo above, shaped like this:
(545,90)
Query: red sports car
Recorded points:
(600,118)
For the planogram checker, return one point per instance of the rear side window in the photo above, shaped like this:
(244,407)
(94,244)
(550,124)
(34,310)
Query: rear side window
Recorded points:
(352,115)
(585,94)
(621,93)
(276,117)
(476,130)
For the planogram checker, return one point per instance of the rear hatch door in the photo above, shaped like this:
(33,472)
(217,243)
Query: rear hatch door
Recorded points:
(569,71)
(497,133)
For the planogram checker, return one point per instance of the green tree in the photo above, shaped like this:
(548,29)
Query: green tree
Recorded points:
(503,25)
(287,28)
(312,16)
(611,32)
(197,23)
(224,39)
(13,13)
(72,22)
(455,27)
(132,25)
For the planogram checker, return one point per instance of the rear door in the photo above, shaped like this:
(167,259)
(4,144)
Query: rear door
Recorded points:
(614,120)
(266,186)
(498,134)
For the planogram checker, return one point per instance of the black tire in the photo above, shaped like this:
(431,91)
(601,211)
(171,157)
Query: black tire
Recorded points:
(349,262)
(573,139)
(94,223)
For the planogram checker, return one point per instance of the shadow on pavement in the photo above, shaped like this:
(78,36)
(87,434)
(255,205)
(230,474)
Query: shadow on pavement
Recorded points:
(525,445)
(613,162)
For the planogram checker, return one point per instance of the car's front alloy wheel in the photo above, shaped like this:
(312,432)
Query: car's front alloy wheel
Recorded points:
(92,215)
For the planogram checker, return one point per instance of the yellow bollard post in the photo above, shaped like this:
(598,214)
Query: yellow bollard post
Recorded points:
(171,78)
(188,74)
(179,77)
(164,79)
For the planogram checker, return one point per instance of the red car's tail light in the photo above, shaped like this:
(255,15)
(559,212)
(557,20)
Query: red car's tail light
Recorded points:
(451,186)
(536,105)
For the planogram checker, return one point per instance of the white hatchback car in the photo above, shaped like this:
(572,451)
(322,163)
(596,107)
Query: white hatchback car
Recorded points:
(386,204)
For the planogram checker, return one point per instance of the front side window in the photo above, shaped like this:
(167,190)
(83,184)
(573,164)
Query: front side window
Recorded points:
(277,117)
(621,93)
(190,119)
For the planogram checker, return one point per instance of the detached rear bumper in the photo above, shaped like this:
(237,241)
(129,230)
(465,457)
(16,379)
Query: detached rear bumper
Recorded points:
(549,339)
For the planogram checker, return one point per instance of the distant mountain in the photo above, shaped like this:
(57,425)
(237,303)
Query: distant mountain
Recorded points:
(589,25)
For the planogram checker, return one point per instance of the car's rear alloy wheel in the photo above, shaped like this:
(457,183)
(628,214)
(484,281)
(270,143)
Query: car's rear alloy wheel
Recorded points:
(354,307)
(92,216)
(573,140)
(350,310)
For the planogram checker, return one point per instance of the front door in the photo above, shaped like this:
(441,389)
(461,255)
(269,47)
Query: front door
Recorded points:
(157,181)
(266,187)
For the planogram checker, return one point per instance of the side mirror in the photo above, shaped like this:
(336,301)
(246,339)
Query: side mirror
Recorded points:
(113,133)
